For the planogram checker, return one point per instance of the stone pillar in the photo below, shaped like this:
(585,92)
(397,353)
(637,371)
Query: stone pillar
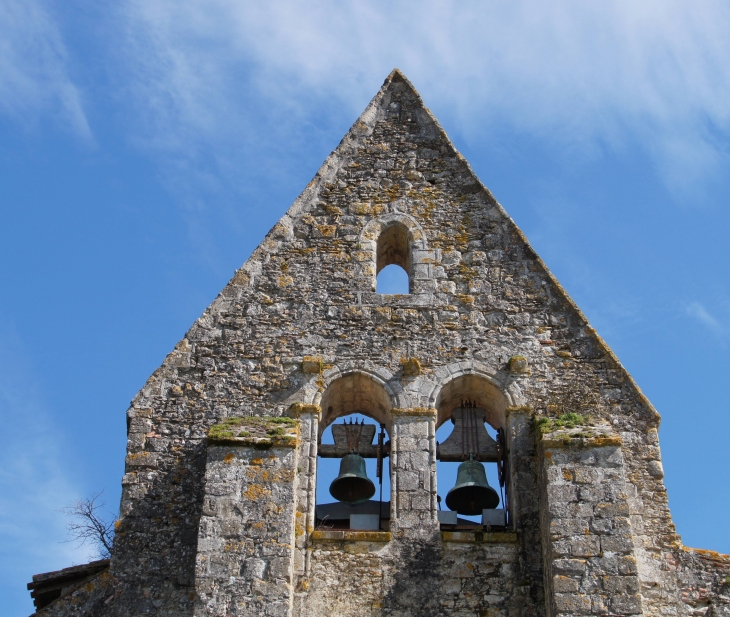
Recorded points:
(522,489)
(413,472)
(521,481)
(588,549)
(246,533)
(306,496)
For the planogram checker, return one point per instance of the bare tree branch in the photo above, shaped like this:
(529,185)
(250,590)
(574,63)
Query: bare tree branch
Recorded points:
(88,525)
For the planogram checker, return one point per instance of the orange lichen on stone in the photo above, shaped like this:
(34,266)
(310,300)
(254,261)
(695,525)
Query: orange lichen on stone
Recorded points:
(312,364)
(411,367)
(350,536)
(255,492)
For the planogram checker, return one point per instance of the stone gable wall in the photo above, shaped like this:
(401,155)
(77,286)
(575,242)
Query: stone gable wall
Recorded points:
(479,296)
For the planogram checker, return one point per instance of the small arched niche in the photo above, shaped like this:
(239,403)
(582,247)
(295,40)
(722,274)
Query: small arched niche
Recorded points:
(394,251)
(476,408)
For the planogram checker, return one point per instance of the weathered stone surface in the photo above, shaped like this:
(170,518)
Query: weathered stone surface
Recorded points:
(222,527)
(246,531)
(587,469)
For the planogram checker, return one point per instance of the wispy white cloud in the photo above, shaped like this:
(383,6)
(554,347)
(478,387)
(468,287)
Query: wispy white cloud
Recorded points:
(34,76)
(35,482)
(701,314)
(583,74)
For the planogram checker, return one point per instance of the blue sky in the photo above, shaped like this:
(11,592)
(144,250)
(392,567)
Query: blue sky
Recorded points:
(146,147)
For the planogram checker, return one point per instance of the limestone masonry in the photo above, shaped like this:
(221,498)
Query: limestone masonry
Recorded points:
(219,514)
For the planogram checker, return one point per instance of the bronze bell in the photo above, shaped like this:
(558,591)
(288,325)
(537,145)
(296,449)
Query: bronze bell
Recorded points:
(353,484)
(472,492)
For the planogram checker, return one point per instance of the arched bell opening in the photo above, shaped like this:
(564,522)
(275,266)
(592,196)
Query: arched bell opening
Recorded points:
(353,470)
(471,466)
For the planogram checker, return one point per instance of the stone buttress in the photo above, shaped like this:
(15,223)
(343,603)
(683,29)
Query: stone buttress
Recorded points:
(218,513)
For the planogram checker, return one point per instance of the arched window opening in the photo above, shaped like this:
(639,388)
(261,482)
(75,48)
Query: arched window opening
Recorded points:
(353,446)
(353,476)
(393,250)
(393,280)
(471,466)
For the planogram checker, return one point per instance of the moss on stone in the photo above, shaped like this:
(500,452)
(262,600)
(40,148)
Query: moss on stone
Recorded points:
(257,431)
(544,424)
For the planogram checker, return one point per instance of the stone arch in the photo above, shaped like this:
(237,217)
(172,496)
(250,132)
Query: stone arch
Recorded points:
(476,383)
(393,239)
(357,390)
(414,232)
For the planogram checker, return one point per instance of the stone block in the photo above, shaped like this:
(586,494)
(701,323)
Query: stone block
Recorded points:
(590,583)
(620,584)
(655,469)
(588,546)
(621,544)
(587,475)
(312,364)
(408,480)
(561,548)
(562,493)
(627,565)
(280,568)
(611,510)
(420,501)
(569,526)
(421,271)
(407,444)
(422,291)
(625,604)
(565,584)
(572,603)
(601,526)
(569,566)
(518,364)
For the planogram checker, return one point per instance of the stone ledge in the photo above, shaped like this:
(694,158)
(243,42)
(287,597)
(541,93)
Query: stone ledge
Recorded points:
(578,432)
(480,537)
(570,439)
(717,559)
(414,411)
(261,432)
(350,536)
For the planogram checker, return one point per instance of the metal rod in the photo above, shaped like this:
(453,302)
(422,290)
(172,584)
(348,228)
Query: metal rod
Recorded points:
(380,476)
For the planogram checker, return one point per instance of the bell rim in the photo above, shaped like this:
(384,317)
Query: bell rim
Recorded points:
(488,489)
(352,475)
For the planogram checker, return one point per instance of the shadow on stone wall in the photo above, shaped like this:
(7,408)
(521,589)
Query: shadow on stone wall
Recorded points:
(416,581)
(154,561)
